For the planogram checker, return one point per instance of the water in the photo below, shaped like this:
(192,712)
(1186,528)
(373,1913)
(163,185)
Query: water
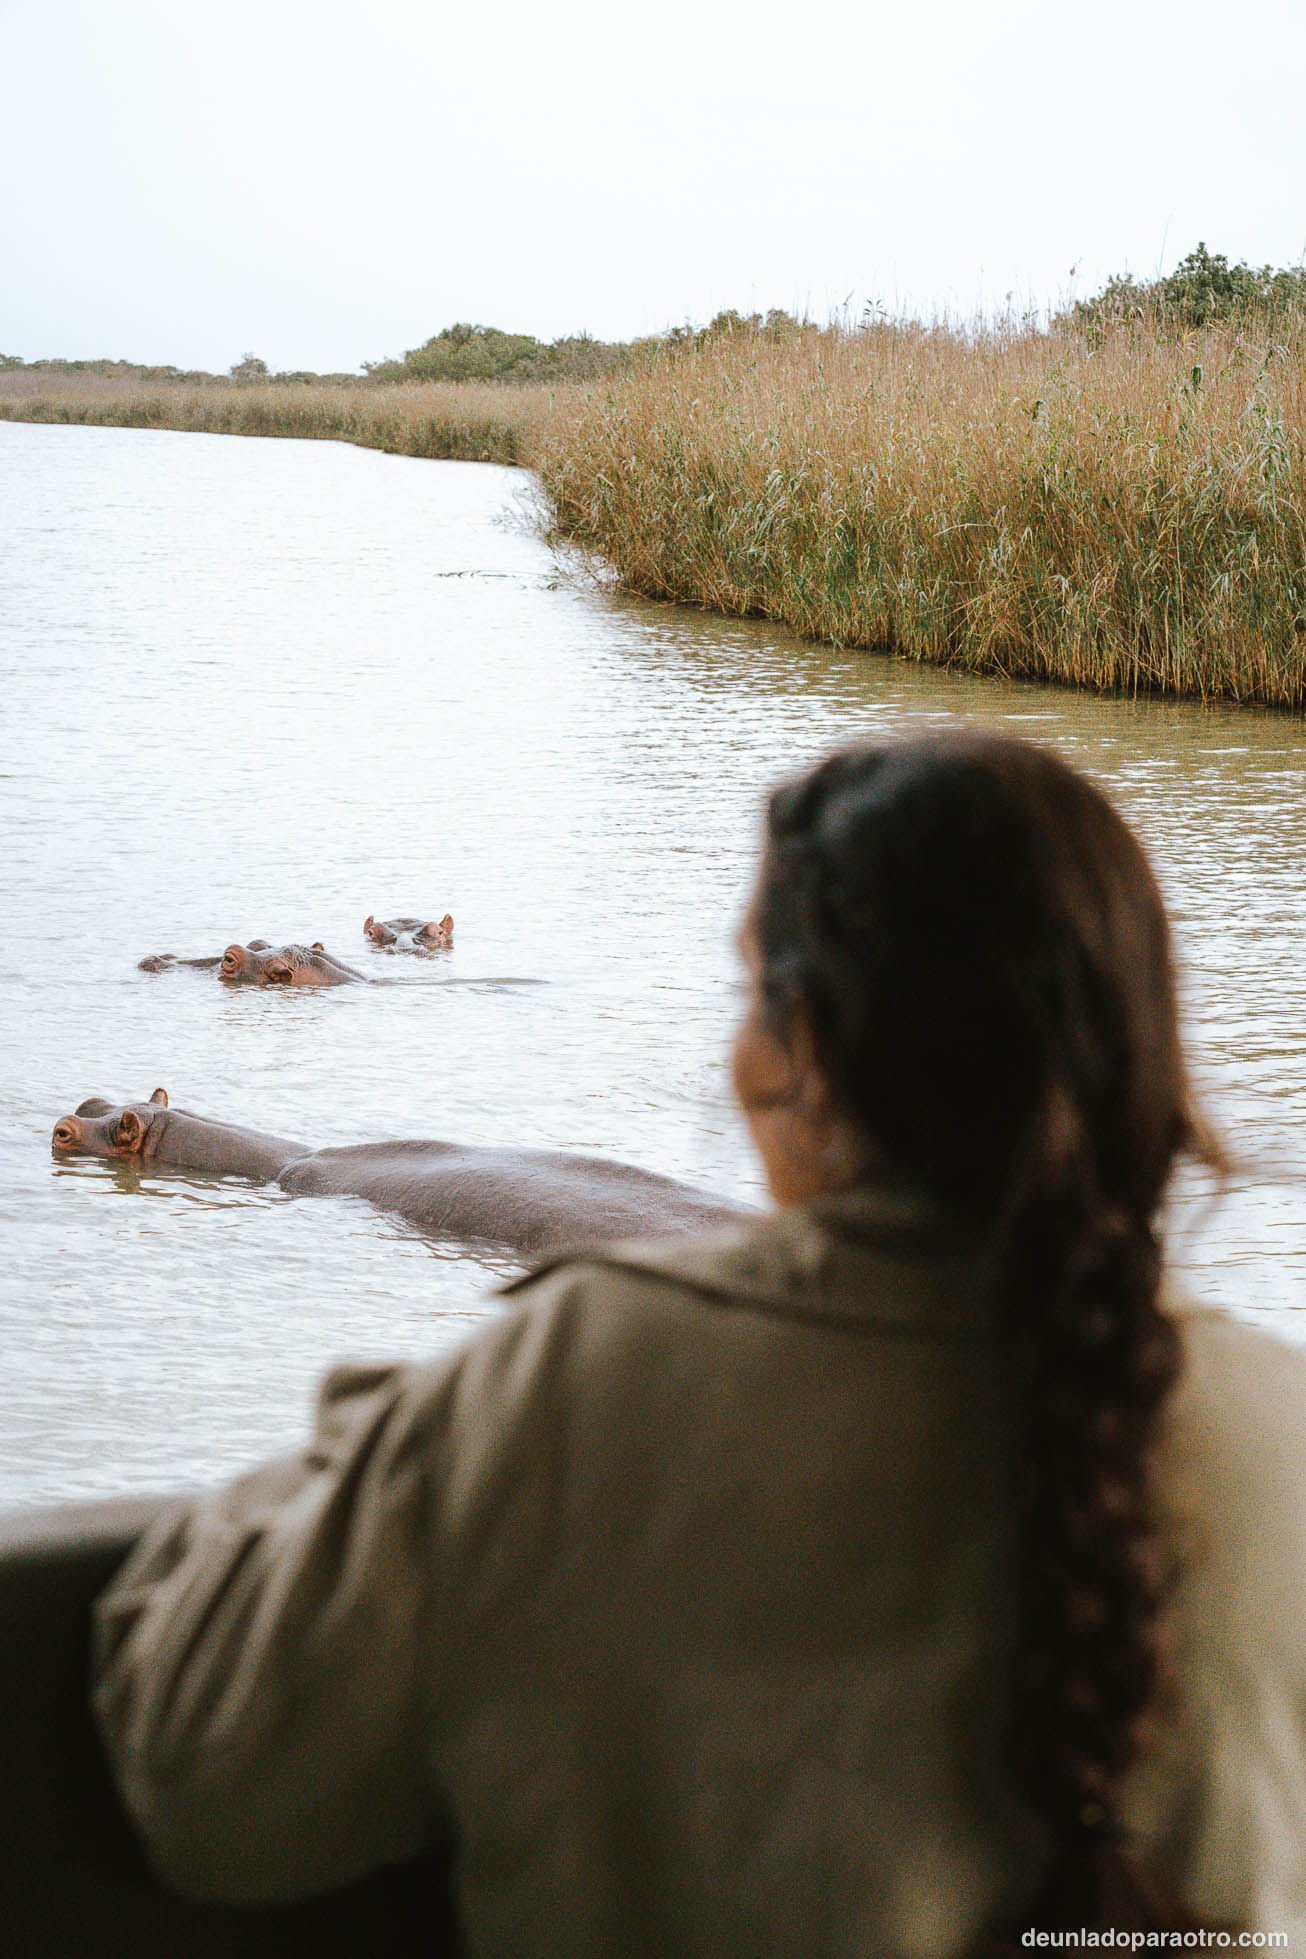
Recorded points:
(263,688)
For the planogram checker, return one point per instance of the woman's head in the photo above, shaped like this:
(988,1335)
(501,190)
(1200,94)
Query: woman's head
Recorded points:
(962,976)
(962,981)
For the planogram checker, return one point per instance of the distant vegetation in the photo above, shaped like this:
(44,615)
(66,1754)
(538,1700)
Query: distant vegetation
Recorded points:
(1116,498)
(478,353)
(481,353)
(27,377)
(88,373)
(456,354)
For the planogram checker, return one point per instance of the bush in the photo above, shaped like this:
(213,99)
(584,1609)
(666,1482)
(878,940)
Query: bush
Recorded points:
(483,353)
(1203,290)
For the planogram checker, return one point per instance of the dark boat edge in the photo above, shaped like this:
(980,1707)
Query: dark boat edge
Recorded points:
(74,1882)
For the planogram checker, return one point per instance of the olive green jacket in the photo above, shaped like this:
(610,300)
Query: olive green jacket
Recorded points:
(677,1602)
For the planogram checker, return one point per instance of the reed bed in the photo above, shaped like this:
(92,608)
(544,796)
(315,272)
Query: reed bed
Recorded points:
(1122,508)
(1121,511)
(462,423)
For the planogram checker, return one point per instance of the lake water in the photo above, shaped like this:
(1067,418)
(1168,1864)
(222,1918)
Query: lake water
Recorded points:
(263,688)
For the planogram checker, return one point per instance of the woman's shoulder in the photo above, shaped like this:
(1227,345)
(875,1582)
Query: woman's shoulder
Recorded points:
(1236,1452)
(755,1255)
(1239,1373)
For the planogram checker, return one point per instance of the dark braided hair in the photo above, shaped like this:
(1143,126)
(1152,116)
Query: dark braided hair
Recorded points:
(977,945)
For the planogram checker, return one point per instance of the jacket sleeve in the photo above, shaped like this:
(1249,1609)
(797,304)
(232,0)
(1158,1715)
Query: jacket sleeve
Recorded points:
(267,1658)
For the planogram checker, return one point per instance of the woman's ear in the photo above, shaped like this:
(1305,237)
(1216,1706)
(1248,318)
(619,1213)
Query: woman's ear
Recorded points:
(809,1147)
(765,1072)
(813,1096)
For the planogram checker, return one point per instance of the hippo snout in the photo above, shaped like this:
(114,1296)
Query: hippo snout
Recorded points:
(234,962)
(68,1134)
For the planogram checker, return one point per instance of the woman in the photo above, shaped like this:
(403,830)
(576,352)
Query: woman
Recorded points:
(897,1575)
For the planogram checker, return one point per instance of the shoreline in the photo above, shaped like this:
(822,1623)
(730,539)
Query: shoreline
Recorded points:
(444,422)
(1126,517)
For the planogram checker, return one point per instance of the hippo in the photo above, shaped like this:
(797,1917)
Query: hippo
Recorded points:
(260,964)
(164,962)
(529,1201)
(286,965)
(410,934)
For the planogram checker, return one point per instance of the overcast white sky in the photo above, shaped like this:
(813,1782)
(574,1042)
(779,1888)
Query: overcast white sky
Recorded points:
(324,185)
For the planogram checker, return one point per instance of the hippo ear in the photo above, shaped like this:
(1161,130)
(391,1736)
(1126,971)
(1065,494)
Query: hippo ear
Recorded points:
(369,923)
(96,1106)
(317,946)
(160,1096)
(446,923)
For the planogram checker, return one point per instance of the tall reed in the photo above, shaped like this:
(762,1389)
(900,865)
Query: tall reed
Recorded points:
(1129,514)
(468,423)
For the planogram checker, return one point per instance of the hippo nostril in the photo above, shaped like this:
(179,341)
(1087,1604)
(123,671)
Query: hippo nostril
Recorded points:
(67,1134)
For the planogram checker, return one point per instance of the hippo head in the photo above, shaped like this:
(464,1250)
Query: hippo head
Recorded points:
(259,964)
(410,934)
(100,1128)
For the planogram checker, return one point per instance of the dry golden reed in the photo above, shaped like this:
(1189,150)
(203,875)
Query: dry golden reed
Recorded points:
(1124,515)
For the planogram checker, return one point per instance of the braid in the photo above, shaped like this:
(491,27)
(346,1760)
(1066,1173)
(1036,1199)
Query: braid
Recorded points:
(985,905)
(1097,1358)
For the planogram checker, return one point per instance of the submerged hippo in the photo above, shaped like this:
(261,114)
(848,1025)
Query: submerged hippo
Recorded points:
(286,965)
(164,962)
(261,964)
(410,934)
(522,1200)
